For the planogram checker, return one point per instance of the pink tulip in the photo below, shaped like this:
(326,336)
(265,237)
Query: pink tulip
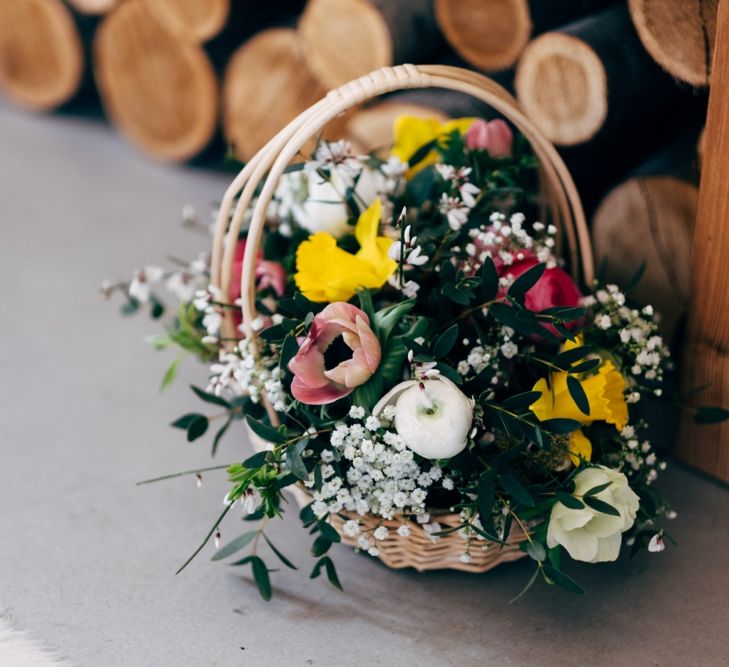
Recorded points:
(493,136)
(340,353)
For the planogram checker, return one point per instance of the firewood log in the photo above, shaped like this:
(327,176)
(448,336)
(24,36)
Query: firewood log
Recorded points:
(267,84)
(649,218)
(592,76)
(161,92)
(191,20)
(42,62)
(344,39)
(492,35)
(679,35)
(94,7)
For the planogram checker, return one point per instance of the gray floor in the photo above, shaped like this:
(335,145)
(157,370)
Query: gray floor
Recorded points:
(87,559)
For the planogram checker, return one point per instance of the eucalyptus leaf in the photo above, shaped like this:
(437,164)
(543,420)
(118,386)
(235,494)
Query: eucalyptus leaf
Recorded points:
(209,398)
(268,433)
(260,575)
(574,386)
(561,579)
(600,506)
(235,545)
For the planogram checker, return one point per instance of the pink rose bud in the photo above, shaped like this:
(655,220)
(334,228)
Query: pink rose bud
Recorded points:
(340,352)
(493,136)
(268,274)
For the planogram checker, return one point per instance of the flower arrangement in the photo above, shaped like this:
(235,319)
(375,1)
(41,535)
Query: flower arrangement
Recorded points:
(420,349)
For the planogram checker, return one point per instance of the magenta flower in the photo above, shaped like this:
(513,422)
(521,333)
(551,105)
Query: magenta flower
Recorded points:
(340,353)
(493,136)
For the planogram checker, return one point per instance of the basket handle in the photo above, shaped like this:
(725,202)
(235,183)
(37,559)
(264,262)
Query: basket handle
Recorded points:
(271,161)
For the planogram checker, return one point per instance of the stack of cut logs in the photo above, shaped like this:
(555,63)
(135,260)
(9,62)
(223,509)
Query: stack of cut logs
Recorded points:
(613,84)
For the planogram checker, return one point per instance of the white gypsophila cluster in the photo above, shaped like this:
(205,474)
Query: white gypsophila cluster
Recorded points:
(506,241)
(481,357)
(241,373)
(638,334)
(204,301)
(637,456)
(381,474)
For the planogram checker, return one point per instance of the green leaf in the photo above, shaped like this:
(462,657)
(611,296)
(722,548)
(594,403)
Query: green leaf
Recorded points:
(279,555)
(260,575)
(586,366)
(220,434)
(329,531)
(294,460)
(273,333)
(365,303)
(523,400)
(197,428)
(445,342)
(600,506)
(565,359)
(255,461)
(561,579)
(332,573)
(367,394)
(185,421)
(515,489)
(268,433)
(527,586)
(321,546)
(422,152)
(451,373)
(526,281)
(171,373)
(597,489)
(235,545)
(574,386)
(569,501)
(489,280)
(485,496)
(209,398)
(386,319)
(560,426)
(535,550)
(129,307)
(711,415)
(288,351)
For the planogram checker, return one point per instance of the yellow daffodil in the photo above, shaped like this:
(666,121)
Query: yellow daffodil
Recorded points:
(604,392)
(411,133)
(579,447)
(325,272)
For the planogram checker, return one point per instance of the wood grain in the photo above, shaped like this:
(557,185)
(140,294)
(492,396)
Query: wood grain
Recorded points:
(706,355)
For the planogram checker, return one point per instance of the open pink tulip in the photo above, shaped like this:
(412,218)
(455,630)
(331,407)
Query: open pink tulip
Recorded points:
(340,353)
(493,136)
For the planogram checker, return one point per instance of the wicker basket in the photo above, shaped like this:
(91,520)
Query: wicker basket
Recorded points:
(561,202)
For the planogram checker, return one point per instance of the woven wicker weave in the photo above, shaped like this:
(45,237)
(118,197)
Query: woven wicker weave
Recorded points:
(418,550)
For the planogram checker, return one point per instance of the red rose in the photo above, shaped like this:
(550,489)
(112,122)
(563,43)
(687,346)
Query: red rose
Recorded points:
(554,289)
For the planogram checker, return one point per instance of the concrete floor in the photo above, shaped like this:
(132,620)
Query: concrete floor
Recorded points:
(87,559)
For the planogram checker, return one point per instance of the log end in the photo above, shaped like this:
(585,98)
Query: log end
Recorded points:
(160,92)
(41,55)
(95,7)
(344,39)
(649,219)
(191,20)
(489,35)
(563,86)
(679,35)
(266,85)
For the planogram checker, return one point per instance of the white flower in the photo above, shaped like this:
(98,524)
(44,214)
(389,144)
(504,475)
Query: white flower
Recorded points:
(656,544)
(509,350)
(433,416)
(356,412)
(350,528)
(587,534)
(141,286)
(404,530)
(455,211)
(380,533)
(318,204)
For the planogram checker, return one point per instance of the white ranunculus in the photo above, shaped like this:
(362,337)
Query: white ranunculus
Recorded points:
(432,416)
(318,204)
(589,535)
